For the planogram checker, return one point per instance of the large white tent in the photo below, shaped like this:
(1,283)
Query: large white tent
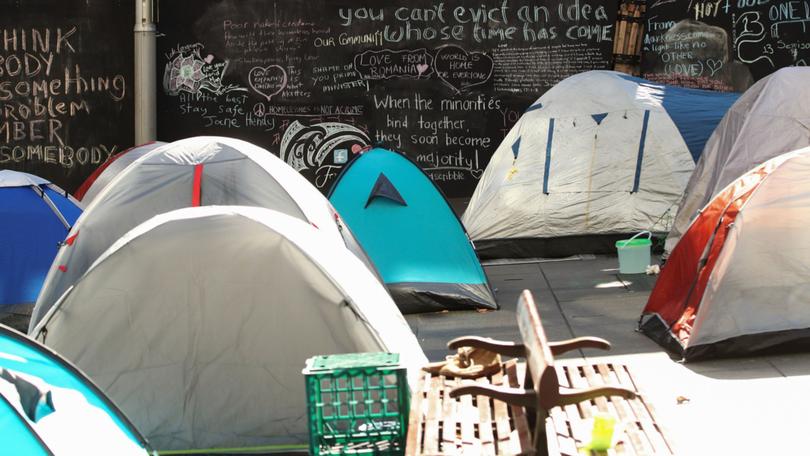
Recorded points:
(197,324)
(770,119)
(601,153)
(191,172)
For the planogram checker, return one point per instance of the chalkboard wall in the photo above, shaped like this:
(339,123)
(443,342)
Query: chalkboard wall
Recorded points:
(724,44)
(65,86)
(315,81)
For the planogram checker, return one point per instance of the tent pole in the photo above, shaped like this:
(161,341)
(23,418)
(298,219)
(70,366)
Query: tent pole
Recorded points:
(145,73)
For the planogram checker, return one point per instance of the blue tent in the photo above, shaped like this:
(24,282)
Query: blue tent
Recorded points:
(37,216)
(694,112)
(48,407)
(411,234)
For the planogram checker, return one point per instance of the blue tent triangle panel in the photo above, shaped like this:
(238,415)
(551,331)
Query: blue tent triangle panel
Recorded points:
(54,378)
(534,107)
(598,118)
(516,148)
(383,188)
(36,402)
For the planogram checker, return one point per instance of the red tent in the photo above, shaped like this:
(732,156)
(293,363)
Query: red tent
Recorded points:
(738,282)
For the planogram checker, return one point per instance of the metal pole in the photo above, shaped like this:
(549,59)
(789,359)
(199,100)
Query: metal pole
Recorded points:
(145,73)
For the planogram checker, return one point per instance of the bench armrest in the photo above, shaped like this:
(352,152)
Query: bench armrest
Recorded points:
(508,348)
(501,347)
(511,396)
(560,347)
(569,396)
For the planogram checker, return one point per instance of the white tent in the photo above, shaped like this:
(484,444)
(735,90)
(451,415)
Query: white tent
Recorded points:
(600,153)
(769,119)
(191,172)
(197,324)
(105,173)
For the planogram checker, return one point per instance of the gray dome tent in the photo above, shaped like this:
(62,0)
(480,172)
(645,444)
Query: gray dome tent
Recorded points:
(769,119)
(105,173)
(198,171)
(197,324)
(599,156)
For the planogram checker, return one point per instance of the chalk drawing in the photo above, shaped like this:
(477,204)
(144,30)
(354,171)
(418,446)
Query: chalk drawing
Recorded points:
(268,81)
(460,69)
(307,147)
(187,71)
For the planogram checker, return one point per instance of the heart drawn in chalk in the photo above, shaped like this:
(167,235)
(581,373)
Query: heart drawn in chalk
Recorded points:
(460,69)
(268,81)
(476,173)
(421,68)
(714,65)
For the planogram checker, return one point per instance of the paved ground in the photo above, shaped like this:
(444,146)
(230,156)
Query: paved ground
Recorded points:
(748,406)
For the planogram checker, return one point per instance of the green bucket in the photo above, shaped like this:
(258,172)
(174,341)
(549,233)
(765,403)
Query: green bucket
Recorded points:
(634,253)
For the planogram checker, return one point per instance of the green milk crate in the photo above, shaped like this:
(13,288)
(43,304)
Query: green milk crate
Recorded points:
(357,403)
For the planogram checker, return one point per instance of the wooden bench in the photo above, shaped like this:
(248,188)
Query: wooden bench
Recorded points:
(489,415)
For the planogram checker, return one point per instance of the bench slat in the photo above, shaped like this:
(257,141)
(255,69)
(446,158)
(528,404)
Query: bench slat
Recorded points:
(485,423)
(648,422)
(629,439)
(614,406)
(567,415)
(415,417)
(602,403)
(467,416)
(643,422)
(634,429)
(564,442)
(502,428)
(621,407)
(635,442)
(449,420)
(578,381)
(520,422)
(578,413)
(432,420)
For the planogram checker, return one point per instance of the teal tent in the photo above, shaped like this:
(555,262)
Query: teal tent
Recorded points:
(48,407)
(411,234)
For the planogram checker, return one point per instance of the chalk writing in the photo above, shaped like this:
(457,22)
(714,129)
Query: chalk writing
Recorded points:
(750,32)
(64,156)
(460,69)
(386,64)
(442,81)
(56,99)
(268,81)
(723,44)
